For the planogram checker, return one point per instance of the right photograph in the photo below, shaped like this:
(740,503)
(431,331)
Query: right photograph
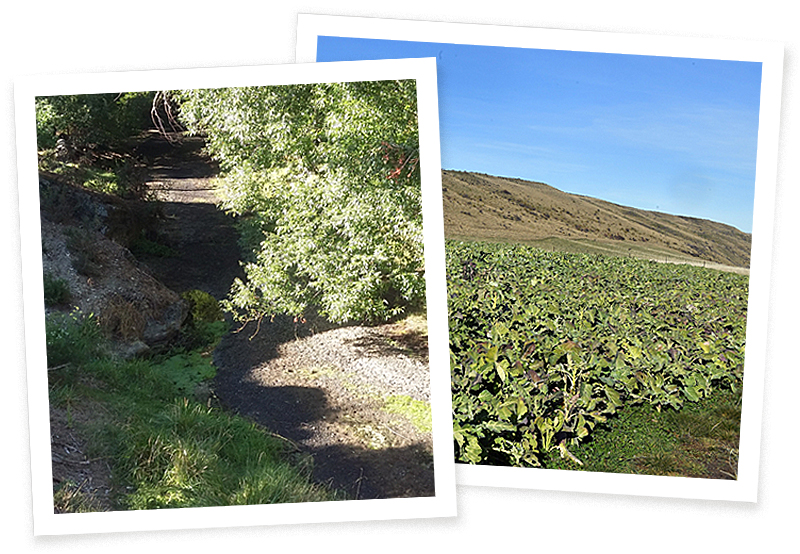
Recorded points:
(599,223)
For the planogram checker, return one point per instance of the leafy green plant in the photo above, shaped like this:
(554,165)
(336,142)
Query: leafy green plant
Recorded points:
(186,371)
(206,324)
(326,178)
(203,306)
(91,119)
(547,346)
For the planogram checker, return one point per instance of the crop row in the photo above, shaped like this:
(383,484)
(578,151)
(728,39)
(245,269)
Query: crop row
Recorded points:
(545,346)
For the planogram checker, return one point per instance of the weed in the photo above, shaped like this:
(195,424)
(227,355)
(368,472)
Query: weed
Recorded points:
(56,291)
(121,318)
(187,371)
(206,324)
(143,246)
(416,411)
(69,498)
(84,255)
(203,306)
(72,338)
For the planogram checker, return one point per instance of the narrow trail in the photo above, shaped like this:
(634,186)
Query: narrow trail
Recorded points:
(325,392)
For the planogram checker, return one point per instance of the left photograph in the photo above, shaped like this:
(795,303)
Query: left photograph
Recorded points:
(234,293)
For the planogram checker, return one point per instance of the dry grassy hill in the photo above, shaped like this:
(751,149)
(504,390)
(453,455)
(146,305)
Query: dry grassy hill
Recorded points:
(478,206)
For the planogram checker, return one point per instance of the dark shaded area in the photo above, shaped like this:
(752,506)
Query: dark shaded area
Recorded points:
(294,412)
(205,249)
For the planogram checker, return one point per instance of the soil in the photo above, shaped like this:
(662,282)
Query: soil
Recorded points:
(83,483)
(323,389)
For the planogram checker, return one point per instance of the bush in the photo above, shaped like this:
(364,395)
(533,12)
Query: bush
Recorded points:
(56,291)
(327,177)
(206,324)
(203,306)
(91,119)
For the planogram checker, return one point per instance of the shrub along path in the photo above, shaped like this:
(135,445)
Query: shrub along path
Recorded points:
(355,398)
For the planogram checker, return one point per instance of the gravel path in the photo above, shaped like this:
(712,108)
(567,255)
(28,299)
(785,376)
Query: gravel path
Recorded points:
(328,393)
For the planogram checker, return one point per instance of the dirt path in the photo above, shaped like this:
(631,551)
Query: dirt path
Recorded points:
(352,397)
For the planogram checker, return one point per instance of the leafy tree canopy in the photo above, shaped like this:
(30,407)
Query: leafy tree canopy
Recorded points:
(91,119)
(326,179)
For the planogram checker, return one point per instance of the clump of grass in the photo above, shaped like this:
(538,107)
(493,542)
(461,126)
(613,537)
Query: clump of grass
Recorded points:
(69,498)
(121,318)
(84,256)
(56,291)
(188,455)
(72,338)
(147,247)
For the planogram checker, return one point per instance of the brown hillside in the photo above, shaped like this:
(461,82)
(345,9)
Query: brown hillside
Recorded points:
(478,206)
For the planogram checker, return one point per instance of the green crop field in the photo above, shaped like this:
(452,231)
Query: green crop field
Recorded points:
(545,346)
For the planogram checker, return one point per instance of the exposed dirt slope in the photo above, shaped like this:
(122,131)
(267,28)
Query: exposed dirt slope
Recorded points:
(482,206)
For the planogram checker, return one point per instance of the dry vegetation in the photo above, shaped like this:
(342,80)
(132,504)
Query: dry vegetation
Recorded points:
(478,206)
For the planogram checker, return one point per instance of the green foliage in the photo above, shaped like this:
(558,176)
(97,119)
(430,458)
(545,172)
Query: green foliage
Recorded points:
(72,338)
(142,245)
(168,451)
(56,291)
(187,371)
(327,178)
(206,324)
(203,306)
(699,440)
(546,346)
(91,119)
(191,456)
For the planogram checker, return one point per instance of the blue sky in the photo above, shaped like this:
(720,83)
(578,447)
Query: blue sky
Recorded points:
(676,135)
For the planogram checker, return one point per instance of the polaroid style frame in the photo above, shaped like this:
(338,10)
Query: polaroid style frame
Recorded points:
(443,504)
(770,55)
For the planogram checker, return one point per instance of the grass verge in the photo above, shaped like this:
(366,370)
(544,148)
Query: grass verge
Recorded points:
(165,448)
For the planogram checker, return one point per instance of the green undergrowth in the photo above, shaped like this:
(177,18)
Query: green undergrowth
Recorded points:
(700,440)
(167,448)
(117,175)
(548,349)
(148,247)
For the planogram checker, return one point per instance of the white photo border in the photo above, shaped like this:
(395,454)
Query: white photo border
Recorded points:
(770,55)
(443,504)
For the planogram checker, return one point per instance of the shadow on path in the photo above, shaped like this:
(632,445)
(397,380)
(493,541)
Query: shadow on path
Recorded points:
(302,413)
(207,255)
